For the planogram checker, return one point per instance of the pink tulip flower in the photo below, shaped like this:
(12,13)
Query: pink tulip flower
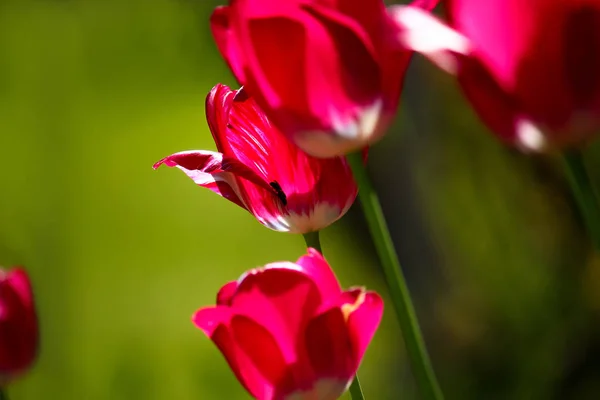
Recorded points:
(18,325)
(288,331)
(328,73)
(528,67)
(258,169)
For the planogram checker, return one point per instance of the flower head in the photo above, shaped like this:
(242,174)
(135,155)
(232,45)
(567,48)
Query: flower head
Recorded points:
(18,325)
(258,169)
(528,67)
(288,331)
(328,73)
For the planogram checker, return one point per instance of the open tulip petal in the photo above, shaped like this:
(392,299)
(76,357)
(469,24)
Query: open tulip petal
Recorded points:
(215,172)
(258,169)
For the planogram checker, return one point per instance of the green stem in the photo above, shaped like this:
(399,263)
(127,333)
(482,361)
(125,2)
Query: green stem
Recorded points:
(355,390)
(3,395)
(584,193)
(405,311)
(313,240)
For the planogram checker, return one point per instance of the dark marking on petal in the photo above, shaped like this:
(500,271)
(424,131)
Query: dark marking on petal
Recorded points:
(280,193)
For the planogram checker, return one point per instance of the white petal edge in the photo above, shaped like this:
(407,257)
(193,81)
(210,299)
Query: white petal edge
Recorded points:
(422,32)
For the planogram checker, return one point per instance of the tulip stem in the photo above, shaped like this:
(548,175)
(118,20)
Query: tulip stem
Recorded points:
(313,240)
(584,193)
(355,390)
(405,311)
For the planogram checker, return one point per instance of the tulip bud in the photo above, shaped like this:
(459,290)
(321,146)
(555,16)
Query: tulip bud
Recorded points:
(18,325)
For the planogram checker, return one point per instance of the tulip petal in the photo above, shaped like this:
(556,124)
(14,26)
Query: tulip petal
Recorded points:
(581,55)
(500,31)
(283,39)
(315,265)
(220,26)
(279,48)
(370,13)
(367,13)
(318,53)
(556,77)
(218,108)
(329,345)
(544,53)
(260,346)
(496,108)
(355,51)
(280,297)
(425,4)
(215,172)
(18,324)
(19,281)
(216,324)
(364,311)
(208,319)
(507,40)
(422,32)
(242,131)
(226,293)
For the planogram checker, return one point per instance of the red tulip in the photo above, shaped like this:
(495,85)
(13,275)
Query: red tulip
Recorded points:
(259,170)
(18,325)
(328,73)
(529,67)
(288,331)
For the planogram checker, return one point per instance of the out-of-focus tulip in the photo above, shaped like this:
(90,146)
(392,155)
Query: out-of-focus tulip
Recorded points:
(258,169)
(528,67)
(288,331)
(328,73)
(18,325)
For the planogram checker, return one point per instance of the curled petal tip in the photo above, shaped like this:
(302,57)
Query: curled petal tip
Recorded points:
(158,164)
(226,293)
(208,319)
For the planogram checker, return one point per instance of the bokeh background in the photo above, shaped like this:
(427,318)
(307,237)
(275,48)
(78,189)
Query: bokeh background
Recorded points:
(93,92)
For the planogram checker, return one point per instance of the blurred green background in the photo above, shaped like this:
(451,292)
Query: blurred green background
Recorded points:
(93,92)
